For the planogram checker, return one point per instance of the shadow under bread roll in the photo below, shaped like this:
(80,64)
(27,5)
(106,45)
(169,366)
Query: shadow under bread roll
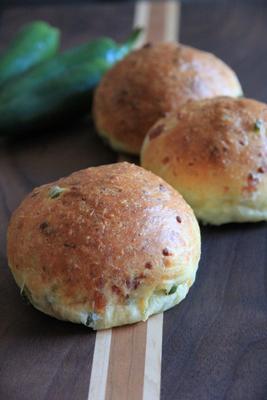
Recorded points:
(214,152)
(106,246)
(151,82)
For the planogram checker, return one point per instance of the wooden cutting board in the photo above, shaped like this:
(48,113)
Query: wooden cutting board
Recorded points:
(211,346)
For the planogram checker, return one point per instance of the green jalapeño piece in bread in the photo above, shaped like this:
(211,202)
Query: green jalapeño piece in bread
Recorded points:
(214,152)
(151,82)
(106,246)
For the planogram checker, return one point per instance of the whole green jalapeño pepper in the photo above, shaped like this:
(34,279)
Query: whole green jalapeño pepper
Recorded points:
(34,43)
(61,88)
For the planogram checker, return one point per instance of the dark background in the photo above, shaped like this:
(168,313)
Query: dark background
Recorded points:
(8,3)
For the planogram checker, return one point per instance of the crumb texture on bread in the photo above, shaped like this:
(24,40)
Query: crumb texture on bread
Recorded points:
(151,82)
(214,153)
(106,246)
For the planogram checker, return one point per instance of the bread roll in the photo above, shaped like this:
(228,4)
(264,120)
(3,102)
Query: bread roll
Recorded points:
(214,153)
(151,82)
(106,246)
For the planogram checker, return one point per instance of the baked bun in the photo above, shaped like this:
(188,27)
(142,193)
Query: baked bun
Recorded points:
(151,82)
(105,246)
(214,152)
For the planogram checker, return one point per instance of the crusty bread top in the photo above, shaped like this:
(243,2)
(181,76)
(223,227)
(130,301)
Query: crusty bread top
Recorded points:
(102,234)
(211,147)
(152,81)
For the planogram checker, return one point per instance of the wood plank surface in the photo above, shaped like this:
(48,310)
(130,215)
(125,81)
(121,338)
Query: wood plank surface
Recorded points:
(215,342)
(217,337)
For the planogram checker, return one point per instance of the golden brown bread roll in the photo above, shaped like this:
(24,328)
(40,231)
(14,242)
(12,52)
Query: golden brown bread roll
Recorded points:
(151,82)
(214,153)
(105,246)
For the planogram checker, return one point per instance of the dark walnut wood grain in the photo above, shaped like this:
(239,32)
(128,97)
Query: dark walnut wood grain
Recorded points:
(40,357)
(217,337)
(215,342)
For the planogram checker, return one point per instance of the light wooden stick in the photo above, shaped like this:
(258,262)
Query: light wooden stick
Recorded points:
(172,21)
(100,365)
(141,19)
(153,358)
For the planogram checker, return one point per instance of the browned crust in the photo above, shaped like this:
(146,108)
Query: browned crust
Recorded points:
(211,147)
(105,234)
(151,82)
